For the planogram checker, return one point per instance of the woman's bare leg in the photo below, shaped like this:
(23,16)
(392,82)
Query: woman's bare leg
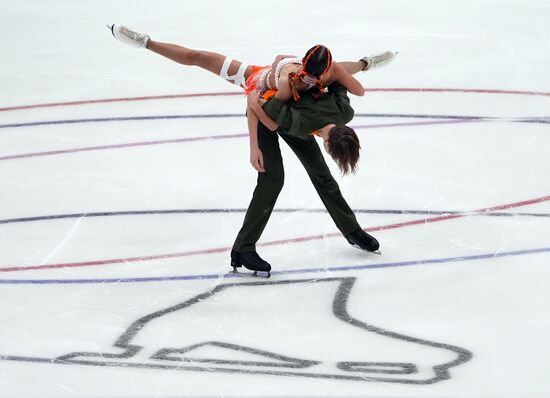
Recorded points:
(207,60)
(352,67)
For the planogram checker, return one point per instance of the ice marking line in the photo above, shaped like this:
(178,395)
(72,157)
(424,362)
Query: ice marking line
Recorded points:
(285,272)
(124,99)
(533,119)
(206,138)
(278,242)
(119,119)
(192,95)
(228,115)
(242,210)
(117,146)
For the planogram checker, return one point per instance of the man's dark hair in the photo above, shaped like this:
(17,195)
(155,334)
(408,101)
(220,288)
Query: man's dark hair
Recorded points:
(343,147)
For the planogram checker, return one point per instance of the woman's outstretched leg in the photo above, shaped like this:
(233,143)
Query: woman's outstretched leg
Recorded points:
(231,70)
(369,62)
(352,67)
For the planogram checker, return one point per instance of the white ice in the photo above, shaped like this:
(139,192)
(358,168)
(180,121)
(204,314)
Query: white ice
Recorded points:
(141,304)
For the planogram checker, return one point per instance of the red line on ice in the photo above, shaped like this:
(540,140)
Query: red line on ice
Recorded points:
(191,95)
(280,242)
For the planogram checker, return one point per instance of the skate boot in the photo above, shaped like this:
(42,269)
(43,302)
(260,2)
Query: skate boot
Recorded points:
(128,36)
(361,240)
(250,260)
(378,60)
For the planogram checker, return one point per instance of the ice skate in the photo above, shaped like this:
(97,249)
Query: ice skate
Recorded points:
(250,260)
(128,36)
(378,60)
(363,241)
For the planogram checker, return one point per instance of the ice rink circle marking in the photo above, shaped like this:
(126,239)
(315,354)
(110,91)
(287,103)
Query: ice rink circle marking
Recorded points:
(283,241)
(192,95)
(409,263)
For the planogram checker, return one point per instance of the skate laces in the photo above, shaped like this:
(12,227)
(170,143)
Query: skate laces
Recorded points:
(380,59)
(130,34)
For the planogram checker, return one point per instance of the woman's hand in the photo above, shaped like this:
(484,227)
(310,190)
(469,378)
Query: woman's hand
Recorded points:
(255,103)
(261,101)
(254,99)
(257,159)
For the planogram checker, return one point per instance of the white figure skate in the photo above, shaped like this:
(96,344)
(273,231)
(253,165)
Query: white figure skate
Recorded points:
(378,60)
(128,36)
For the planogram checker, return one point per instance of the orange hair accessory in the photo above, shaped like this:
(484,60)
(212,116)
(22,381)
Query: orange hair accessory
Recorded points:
(294,78)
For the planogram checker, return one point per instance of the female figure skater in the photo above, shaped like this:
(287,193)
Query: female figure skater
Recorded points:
(285,79)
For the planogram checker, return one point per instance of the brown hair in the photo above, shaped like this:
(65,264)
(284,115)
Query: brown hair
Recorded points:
(343,147)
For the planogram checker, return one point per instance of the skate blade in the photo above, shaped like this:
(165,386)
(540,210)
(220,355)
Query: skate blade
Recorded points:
(378,252)
(261,274)
(256,274)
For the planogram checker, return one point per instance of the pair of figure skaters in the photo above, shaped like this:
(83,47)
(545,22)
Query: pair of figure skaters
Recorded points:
(296,99)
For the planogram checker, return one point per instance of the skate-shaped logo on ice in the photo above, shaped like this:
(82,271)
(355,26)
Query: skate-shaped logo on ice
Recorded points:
(241,328)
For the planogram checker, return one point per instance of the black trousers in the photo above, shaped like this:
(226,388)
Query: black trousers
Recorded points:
(271,182)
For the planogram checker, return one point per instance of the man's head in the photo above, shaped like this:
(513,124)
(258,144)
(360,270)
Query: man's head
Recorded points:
(342,144)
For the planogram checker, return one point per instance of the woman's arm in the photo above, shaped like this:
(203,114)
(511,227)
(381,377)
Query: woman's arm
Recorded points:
(278,59)
(284,93)
(342,76)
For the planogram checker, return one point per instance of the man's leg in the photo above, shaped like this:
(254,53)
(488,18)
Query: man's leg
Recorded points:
(267,190)
(310,155)
(313,161)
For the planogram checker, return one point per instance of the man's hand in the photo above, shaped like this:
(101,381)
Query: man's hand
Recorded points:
(257,159)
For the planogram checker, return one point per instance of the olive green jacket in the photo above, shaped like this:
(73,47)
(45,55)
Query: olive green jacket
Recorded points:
(301,118)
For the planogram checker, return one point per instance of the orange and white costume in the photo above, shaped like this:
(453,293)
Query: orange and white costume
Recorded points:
(260,78)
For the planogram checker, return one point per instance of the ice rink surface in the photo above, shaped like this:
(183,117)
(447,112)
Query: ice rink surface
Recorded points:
(124,178)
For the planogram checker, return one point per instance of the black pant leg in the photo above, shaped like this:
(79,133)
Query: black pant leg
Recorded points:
(268,187)
(309,153)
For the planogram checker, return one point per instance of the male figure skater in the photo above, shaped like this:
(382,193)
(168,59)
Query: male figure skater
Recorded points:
(297,120)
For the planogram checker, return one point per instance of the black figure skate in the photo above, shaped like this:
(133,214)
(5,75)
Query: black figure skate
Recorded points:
(361,240)
(250,260)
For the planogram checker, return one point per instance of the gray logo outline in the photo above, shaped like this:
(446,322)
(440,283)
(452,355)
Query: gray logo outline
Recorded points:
(357,370)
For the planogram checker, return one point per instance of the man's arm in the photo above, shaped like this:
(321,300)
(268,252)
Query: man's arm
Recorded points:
(307,115)
(279,112)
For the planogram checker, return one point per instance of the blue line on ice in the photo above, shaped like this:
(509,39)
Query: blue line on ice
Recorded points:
(286,272)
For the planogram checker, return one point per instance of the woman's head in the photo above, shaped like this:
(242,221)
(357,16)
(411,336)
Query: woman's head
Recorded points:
(343,146)
(315,64)
(317,61)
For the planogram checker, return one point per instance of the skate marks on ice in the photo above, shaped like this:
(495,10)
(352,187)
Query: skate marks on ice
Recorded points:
(186,336)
